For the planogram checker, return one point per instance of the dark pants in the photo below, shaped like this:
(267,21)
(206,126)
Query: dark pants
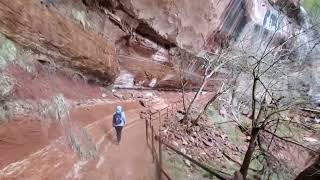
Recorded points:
(118,130)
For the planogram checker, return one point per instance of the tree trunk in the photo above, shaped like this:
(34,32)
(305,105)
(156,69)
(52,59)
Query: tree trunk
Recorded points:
(184,97)
(207,105)
(247,158)
(183,83)
(234,90)
(204,82)
(237,176)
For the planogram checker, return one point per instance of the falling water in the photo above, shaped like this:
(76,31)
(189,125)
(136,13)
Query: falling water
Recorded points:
(311,39)
(263,22)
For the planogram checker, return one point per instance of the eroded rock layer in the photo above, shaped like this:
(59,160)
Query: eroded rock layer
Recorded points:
(31,24)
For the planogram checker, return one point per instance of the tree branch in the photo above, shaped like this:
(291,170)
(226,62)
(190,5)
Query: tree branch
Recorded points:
(289,141)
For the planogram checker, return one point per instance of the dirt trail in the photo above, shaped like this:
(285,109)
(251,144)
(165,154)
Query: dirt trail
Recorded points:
(129,160)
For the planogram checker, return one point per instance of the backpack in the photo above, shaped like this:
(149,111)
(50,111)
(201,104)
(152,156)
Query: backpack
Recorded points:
(117,119)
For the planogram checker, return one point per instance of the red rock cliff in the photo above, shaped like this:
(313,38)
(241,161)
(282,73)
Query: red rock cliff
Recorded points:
(31,24)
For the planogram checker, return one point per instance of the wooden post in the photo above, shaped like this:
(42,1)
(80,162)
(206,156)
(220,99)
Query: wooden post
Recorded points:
(160,157)
(159,115)
(147,130)
(152,141)
(159,125)
(167,112)
(150,123)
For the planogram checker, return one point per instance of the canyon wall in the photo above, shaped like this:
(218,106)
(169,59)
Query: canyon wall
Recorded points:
(133,43)
(33,25)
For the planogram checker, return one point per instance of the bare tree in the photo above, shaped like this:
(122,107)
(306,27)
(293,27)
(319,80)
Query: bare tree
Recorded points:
(269,71)
(204,67)
(212,65)
(183,80)
(211,100)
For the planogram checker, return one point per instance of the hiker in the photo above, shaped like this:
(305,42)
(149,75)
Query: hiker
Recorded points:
(119,120)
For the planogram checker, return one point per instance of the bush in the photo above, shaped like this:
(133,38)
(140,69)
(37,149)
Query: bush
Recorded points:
(6,87)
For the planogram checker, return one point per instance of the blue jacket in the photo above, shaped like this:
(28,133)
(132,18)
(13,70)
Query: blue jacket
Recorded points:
(123,117)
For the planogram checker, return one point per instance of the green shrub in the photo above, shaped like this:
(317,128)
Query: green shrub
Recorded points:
(8,52)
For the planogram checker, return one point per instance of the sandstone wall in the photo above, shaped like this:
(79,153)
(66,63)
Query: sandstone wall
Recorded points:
(31,24)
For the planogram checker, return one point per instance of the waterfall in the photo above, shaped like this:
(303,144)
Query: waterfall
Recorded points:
(309,52)
(265,22)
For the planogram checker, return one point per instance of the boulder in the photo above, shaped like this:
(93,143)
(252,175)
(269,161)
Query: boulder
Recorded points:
(184,142)
(187,162)
(174,143)
(118,95)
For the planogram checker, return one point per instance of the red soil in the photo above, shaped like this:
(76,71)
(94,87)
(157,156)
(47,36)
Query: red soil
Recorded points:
(44,85)
(22,136)
(41,157)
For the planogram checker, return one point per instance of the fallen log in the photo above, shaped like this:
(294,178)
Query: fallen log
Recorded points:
(317,111)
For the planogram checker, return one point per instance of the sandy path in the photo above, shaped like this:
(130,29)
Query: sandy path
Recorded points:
(129,160)
(55,161)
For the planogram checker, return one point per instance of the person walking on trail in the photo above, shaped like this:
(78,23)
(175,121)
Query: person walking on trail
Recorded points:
(119,120)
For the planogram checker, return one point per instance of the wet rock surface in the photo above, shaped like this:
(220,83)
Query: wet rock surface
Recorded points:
(45,31)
